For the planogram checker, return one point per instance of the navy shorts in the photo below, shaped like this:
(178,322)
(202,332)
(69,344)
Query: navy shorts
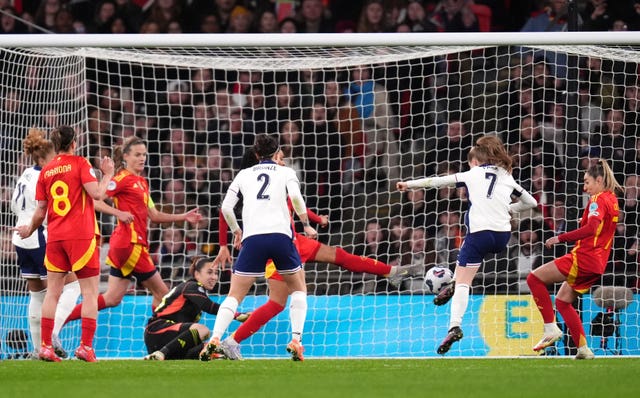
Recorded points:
(31,261)
(258,249)
(478,244)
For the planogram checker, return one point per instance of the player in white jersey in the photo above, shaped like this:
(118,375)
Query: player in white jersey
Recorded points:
(490,191)
(267,235)
(31,250)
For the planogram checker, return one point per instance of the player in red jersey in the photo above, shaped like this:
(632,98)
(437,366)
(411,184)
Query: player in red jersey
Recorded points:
(65,192)
(310,250)
(128,247)
(584,265)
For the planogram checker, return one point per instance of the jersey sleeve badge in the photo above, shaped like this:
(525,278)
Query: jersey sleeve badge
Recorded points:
(593,209)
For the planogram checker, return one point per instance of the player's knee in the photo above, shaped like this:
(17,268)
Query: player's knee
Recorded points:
(112,300)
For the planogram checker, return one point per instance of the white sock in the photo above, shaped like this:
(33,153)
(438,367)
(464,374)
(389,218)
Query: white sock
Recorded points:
(459,303)
(35,316)
(298,313)
(225,315)
(66,304)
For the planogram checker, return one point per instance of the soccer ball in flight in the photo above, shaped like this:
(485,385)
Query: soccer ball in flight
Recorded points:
(436,278)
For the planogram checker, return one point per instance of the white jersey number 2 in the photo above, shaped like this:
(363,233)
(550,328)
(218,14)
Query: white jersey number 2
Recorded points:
(265,184)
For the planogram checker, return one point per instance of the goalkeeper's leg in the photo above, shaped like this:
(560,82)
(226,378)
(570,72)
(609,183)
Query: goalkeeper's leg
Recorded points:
(181,346)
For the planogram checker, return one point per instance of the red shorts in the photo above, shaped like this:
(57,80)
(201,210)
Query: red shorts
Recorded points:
(580,274)
(134,257)
(78,255)
(307,249)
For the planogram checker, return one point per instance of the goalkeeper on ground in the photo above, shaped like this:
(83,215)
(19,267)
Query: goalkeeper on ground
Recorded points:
(173,332)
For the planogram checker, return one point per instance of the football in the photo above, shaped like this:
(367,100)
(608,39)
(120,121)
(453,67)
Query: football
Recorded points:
(436,278)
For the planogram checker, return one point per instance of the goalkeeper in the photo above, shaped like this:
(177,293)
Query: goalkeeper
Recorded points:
(173,332)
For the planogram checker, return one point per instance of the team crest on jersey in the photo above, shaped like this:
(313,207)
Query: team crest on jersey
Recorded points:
(201,289)
(593,209)
(111,186)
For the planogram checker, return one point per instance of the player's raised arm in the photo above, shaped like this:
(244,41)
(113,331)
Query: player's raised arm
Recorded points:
(430,182)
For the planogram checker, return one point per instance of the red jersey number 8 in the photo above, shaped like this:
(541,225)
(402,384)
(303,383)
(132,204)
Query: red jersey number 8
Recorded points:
(61,204)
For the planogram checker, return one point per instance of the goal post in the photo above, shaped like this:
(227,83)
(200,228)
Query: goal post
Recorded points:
(354,114)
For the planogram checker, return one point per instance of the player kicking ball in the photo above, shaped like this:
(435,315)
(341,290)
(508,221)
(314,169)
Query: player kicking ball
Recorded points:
(491,188)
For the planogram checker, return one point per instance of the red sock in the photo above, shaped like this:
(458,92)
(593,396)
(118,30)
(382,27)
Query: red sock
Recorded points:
(76,313)
(257,319)
(571,318)
(355,263)
(46,330)
(88,331)
(542,298)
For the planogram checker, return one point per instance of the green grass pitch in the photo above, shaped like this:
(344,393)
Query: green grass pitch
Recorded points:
(441,377)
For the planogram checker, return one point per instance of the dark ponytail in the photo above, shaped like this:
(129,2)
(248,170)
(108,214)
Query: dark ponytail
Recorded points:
(62,138)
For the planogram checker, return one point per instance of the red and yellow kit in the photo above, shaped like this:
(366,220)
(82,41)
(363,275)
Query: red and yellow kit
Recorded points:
(587,261)
(70,211)
(128,246)
(130,193)
(71,218)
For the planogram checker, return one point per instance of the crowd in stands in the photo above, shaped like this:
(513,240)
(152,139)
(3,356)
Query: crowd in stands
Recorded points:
(310,16)
(351,133)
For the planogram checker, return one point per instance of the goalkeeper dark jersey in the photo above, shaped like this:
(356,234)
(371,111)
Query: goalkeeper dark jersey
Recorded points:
(185,303)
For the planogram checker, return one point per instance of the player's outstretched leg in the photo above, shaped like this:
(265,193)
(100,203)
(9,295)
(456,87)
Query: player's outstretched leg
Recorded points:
(445,294)
(212,347)
(454,334)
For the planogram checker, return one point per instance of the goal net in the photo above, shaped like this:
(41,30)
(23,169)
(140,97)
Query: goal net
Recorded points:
(352,120)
